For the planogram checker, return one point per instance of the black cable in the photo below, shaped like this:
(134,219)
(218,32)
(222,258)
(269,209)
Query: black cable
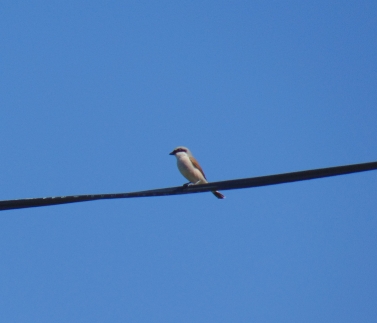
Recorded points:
(223,185)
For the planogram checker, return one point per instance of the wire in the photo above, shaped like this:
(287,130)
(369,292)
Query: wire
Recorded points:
(213,186)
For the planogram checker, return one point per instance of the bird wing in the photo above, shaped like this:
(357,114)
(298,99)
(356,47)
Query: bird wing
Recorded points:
(196,165)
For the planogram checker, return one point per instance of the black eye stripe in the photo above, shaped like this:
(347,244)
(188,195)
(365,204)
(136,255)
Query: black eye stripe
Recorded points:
(180,150)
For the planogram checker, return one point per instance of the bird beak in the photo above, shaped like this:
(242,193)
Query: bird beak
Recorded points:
(172,153)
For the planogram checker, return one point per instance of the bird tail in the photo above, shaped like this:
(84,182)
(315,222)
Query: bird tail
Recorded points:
(218,195)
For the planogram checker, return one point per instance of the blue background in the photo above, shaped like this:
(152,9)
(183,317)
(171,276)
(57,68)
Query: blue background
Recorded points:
(93,97)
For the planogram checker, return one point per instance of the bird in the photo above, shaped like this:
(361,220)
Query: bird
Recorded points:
(190,168)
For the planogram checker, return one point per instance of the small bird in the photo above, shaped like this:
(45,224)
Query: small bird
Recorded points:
(190,168)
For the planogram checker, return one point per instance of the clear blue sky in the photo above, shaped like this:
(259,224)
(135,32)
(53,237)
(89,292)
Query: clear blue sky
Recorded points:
(93,97)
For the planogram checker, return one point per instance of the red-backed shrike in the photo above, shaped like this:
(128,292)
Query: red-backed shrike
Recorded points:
(190,168)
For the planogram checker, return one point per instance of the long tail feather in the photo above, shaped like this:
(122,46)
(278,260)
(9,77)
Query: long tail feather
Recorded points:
(218,195)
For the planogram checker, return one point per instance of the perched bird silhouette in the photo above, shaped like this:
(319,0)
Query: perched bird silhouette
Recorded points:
(190,168)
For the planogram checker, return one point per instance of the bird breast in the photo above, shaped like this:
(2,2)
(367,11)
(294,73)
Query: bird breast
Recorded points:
(187,169)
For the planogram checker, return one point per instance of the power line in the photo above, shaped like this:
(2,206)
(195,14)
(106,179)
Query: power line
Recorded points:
(222,185)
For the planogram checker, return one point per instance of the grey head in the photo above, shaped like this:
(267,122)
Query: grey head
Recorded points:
(181,149)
